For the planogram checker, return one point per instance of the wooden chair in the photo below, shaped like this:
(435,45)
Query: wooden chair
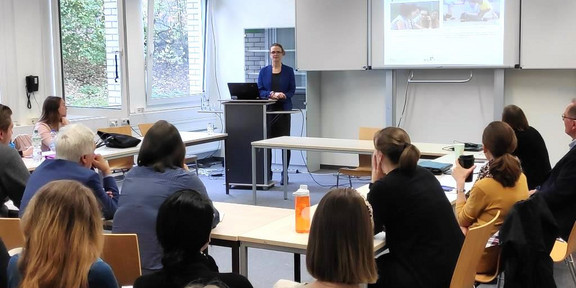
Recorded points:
(364,161)
(562,251)
(470,254)
(144,127)
(122,253)
(125,163)
(11,233)
(488,278)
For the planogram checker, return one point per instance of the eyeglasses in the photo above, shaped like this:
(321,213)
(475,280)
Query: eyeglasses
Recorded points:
(566,117)
(275,52)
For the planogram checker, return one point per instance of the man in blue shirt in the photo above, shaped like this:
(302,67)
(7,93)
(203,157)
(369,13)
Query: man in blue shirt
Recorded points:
(75,159)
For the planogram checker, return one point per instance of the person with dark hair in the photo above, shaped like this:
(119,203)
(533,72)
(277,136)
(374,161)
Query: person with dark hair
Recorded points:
(183,227)
(160,172)
(405,18)
(340,250)
(500,185)
(531,149)
(53,118)
(277,82)
(559,189)
(13,172)
(409,204)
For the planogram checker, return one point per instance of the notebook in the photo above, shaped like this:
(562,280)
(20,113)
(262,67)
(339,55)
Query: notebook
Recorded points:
(435,167)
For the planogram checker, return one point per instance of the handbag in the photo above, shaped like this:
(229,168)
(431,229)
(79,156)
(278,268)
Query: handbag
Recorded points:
(115,140)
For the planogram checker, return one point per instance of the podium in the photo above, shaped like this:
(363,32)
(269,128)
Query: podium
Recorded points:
(245,122)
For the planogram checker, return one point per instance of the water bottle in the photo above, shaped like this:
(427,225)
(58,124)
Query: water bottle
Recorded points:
(53,135)
(302,209)
(37,146)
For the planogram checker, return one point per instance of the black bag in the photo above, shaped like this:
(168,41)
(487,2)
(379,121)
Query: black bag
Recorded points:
(115,140)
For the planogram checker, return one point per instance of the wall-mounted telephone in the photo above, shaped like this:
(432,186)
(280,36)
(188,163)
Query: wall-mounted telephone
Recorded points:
(31,84)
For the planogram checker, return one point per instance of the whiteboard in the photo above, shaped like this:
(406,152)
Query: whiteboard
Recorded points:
(331,35)
(548,34)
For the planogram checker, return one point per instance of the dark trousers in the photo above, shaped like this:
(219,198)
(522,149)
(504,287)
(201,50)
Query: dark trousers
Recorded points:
(278,125)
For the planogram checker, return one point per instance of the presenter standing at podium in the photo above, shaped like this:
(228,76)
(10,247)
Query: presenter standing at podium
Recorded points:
(277,82)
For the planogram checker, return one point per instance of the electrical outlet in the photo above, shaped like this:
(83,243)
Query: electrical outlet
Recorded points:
(34,120)
(113,122)
(140,110)
(125,121)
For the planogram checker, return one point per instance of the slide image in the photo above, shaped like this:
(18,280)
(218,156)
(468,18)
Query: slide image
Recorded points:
(415,15)
(471,12)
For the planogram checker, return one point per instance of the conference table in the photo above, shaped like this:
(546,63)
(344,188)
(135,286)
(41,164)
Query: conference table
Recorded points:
(189,139)
(334,145)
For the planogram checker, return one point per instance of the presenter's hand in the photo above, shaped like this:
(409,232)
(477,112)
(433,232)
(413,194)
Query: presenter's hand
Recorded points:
(101,164)
(459,174)
(281,95)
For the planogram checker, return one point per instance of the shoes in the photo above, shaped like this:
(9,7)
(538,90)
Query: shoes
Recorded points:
(282,179)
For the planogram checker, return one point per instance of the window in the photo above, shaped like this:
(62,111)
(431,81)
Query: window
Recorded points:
(90,48)
(174,49)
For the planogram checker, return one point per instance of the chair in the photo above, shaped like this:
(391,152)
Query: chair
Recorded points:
(364,161)
(488,278)
(11,233)
(125,163)
(122,253)
(562,251)
(144,127)
(470,254)
(22,142)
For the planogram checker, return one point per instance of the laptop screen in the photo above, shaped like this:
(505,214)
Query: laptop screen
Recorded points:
(244,91)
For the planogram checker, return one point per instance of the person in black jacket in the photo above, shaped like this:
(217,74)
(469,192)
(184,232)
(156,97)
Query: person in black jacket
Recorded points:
(531,149)
(559,189)
(4,258)
(183,229)
(422,234)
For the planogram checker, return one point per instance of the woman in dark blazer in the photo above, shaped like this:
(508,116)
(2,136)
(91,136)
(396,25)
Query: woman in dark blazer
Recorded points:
(277,82)
(531,149)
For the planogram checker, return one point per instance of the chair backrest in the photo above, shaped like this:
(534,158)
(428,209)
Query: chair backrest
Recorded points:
(122,253)
(571,242)
(11,233)
(144,127)
(470,254)
(124,162)
(366,133)
(22,142)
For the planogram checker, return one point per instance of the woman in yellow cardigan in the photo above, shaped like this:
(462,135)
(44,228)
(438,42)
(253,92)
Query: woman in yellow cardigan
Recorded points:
(500,185)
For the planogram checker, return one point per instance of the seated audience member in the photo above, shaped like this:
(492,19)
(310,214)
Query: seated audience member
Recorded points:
(183,227)
(409,204)
(158,175)
(63,240)
(74,159)
(500,185)
(559,189)
(340,251)
(531,149)
(13,172)
(214,283)
(4,258)
(53,118)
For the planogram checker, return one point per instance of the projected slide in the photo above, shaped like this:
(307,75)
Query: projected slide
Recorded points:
(443,33)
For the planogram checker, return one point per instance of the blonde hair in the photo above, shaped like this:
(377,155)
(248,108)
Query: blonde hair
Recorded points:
(63,236)
(341,242)
(74,141)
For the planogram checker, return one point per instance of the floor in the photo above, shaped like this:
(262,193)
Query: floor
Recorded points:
(266,267)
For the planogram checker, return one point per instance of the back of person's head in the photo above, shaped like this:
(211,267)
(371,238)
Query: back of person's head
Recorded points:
(74,141)
(202,283)
(500,140)
(63,236)
(515,117)
(162,147)
(341,241)
(395,144)
(5,117)
(50,114)
(183,227)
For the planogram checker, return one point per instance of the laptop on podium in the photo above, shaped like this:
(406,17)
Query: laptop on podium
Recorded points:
(244,91)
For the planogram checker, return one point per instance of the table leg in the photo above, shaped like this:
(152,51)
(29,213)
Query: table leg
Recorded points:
(297,273)
(243,260)
(236,258)
(254,174)
(285,174)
